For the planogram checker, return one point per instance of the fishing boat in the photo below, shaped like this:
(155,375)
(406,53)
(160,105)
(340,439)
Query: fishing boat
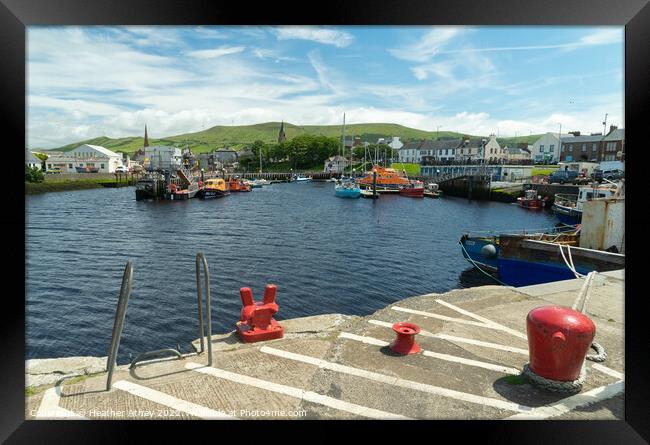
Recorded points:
(415,189)
(145,188)
(482,250)
(301,178)
(524,259)
(347,189)
(388,180)
(532,201)
(175,193)
(237,185)
(568,208)
(431,190)
(214,188)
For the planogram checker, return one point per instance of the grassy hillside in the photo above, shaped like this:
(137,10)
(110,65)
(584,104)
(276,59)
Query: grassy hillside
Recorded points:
(240,136)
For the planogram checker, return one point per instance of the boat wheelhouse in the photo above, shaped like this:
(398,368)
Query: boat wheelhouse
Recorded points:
(568,208)
(388,180)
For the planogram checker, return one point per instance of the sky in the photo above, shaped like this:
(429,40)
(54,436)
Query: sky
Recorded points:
(85,82)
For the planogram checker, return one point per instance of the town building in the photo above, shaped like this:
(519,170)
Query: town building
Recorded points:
(85,158)
(595,147)
(415,151)
(32,161)
(336,164)
(547,148)
(493,152)
(519,152)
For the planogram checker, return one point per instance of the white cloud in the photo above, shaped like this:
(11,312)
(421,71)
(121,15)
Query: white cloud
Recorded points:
(429,45)
(316,34)
(216,52)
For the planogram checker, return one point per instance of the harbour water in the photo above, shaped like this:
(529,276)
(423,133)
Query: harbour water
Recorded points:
(325,254)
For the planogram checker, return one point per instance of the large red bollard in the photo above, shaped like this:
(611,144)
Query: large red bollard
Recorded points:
(405,342)
(256,321)
(558,341)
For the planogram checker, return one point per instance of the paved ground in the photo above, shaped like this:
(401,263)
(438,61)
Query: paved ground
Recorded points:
(339,367)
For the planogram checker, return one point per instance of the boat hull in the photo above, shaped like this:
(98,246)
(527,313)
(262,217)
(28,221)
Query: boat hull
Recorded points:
(212,194)
(348,193)
(412,192)
(567,215)
(525,262)
(530,204)
(475,249)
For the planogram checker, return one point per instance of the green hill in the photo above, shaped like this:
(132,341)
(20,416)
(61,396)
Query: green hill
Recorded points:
(240,136)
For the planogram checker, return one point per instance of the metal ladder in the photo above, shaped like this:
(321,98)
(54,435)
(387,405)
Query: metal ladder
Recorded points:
(120,313)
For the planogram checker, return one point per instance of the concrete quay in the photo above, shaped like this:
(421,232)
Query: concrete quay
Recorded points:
(336,366)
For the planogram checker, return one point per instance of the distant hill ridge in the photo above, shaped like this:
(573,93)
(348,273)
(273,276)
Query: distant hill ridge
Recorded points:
(239,136)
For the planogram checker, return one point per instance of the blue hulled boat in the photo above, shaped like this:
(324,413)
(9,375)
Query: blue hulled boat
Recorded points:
(347,189)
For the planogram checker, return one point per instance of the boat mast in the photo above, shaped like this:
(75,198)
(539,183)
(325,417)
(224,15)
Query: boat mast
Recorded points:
(343,142)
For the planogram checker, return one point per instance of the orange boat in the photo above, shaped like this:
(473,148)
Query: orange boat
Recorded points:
(388,180)
(237,185)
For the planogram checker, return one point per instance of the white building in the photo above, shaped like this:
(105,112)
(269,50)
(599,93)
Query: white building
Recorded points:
(32,161)
(94,157)
(493,152)
(547,148)
(162,157)
(336,164)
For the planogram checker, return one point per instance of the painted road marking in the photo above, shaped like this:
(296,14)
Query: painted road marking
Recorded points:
(301,394)
(445,357)
(459,339)
(50,409)
(570,403)
(608,371)
(396,381)
(441,317)
(170,401)
(482,319)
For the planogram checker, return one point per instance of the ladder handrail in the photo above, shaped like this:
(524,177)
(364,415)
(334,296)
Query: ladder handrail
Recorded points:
(200,258)
(123,300)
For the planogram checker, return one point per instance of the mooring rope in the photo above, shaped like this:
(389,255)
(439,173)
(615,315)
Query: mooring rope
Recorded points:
(478,267)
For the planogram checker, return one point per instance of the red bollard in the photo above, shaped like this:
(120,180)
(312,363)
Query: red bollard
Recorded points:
(256,321)
(558,341)
(405,342)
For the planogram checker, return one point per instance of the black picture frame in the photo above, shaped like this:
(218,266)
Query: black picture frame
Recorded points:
(15,15)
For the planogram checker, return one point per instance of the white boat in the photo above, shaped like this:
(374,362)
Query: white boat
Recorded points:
(301,178)
(568,208)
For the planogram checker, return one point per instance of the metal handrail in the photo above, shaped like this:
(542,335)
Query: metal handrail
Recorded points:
(200,259)
(145,355)
(125,293)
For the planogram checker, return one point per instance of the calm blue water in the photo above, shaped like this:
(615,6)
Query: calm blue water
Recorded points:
(325,254)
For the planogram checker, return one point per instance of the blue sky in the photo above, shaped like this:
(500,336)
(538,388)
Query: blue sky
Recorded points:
(85,82)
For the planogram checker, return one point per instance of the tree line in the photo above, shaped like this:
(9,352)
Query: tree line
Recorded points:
(305,151)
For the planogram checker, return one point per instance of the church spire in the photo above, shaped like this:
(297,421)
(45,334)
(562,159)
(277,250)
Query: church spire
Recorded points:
(281,136)
(146,138)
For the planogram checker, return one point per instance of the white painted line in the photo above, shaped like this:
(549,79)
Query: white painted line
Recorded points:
(482,319)
(442,317)
(170,401)
(459,339)
(50,409)
(296,392)
(445,357)
(570,403)
(396,381)
(608,371)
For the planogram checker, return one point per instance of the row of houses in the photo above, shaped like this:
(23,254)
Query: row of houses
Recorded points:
(549,148)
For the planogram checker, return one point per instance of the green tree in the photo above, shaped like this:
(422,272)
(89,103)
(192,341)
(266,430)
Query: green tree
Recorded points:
(33,174)
(43,157)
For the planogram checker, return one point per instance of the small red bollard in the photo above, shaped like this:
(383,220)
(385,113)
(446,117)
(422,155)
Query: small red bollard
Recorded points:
(405,342)
(558,341)
(256,321)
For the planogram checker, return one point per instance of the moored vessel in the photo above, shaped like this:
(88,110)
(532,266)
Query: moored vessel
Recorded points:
(415,189)
(388,180)
(531,200)
(214,188)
